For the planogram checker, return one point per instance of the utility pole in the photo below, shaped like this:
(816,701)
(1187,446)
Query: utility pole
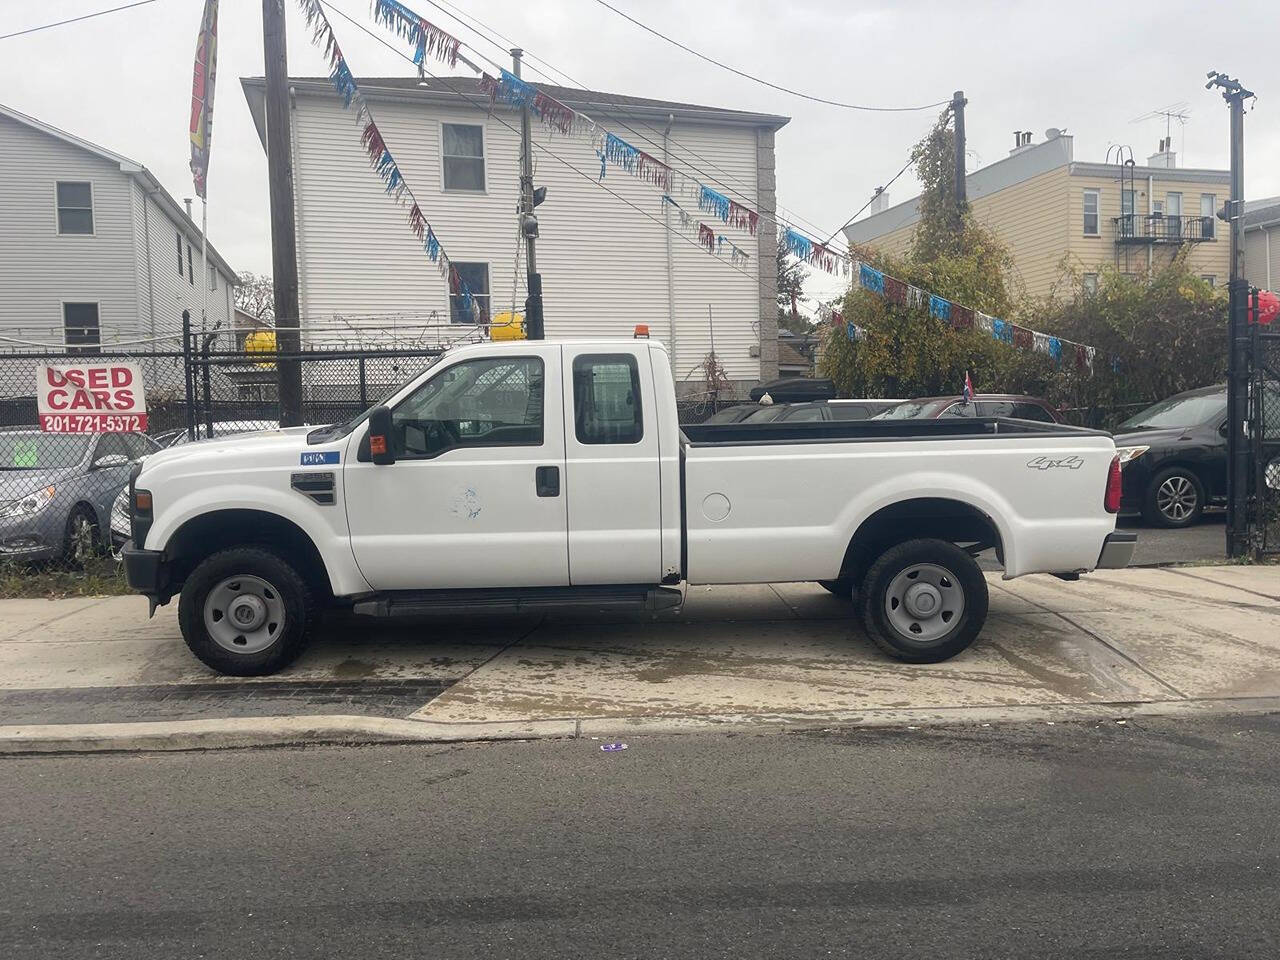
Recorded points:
(957,109)
(284,244)
(1237,323)
(528,221)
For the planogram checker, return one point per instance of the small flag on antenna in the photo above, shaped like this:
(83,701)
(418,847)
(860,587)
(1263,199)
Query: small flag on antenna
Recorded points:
(968,388)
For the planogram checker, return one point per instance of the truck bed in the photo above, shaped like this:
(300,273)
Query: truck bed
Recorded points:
(827,431)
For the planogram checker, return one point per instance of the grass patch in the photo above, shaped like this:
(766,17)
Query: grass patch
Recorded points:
(96,577)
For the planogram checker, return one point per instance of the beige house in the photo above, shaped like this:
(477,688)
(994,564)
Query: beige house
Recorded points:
(1059,216)
(1262,242)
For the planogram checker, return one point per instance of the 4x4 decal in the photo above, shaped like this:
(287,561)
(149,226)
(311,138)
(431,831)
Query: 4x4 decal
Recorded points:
(1062,463)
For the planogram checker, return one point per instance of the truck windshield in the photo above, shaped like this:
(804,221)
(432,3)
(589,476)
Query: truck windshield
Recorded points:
(335,431)
(1180,411)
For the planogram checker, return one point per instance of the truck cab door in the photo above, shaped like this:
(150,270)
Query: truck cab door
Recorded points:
(475,497)
(612,466)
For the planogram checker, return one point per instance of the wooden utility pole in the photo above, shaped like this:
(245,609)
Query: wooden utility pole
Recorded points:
(284,243)
(957,109)
(533,329)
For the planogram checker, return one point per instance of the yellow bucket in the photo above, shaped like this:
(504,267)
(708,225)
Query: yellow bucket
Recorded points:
(507,326)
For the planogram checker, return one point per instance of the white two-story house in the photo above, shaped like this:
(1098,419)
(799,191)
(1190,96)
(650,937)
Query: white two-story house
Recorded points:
(93,250)
(609,251)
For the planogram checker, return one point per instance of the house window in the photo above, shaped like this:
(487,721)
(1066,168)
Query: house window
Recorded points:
(476,277)
(75,207)
(1127,201)
(191,273)
(1208,215)
(80,327)
(1210,279)
(179,254)
(213,278)
(1091,213)
(1090,284)
(463,152)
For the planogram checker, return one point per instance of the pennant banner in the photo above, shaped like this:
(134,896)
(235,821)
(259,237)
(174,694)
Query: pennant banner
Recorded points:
(427,40)
(380,157)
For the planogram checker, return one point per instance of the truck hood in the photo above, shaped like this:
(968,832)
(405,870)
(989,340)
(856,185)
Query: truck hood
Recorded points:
(229,453)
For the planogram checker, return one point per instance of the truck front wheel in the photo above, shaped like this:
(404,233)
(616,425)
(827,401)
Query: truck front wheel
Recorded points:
(923,601)
(245,612)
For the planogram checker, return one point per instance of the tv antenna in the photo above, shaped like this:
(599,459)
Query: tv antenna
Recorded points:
(1180,111)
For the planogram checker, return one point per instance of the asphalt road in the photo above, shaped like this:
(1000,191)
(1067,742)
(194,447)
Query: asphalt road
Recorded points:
(1099,840)
(1206,542)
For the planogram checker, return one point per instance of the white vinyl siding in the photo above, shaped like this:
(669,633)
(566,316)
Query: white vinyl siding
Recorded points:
(1092,213)
(602,259)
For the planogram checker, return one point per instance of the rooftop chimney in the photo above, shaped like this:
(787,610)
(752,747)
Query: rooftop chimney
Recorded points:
(880,201)
(186,202)
(1021,141)
(1164,157)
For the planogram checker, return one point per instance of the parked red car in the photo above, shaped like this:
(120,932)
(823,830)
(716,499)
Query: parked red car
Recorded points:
(982,405)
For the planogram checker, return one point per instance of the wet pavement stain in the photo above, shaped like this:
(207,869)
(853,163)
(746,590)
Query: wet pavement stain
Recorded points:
(353,669)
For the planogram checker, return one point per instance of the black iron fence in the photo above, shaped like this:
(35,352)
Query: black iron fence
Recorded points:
(1263,435)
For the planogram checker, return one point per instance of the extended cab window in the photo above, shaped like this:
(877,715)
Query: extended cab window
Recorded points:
(606,398)
(487,402)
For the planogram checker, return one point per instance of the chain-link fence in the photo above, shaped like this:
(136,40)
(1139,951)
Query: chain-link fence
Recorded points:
(1264,440)
(64,470)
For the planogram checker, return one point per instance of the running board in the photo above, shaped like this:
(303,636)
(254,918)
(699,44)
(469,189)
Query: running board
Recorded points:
(417,603)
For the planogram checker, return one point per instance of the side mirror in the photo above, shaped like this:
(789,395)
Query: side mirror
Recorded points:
(380,450)
(111,460)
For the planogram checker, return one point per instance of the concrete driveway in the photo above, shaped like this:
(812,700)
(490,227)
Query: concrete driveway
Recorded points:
(1205,638)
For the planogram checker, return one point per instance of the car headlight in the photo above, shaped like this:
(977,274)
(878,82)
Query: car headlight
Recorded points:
(1130,453)
(120,513)
(31,503)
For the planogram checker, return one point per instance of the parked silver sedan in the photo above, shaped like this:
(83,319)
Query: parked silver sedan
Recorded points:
(57,490)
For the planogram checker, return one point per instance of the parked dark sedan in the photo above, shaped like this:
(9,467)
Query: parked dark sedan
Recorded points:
(982,405)
(801,412)
(1174,455)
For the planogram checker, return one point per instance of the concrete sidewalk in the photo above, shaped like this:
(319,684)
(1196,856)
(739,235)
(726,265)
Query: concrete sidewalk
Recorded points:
(87,673)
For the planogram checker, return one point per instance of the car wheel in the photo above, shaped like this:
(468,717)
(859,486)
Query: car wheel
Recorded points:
(1175,498)
(841,587)
(245,612)
(924,601)
(80,537)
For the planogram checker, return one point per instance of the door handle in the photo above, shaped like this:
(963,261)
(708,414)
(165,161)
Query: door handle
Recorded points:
(546,481)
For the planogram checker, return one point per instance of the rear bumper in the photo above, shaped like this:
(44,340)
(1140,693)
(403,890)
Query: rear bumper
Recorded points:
(1117,550)
(146,572)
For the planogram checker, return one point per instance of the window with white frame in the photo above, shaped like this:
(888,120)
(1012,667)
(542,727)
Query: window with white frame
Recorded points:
(1208,215)
(1091,214)
(476,277)
(1089,283)
(75,207)
(462,149)
(1128,200)
(191,271)
(1210,279)
(179,235)
(80,328)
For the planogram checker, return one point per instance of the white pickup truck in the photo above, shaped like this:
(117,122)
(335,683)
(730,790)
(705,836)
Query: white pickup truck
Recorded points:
(531,474)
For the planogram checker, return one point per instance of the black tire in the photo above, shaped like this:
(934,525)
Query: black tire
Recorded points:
(284,643)
(81,537)
(961,573)
(841,587)
(1174,499)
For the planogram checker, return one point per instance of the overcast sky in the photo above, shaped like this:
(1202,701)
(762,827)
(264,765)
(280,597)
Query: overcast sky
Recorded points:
(124,81)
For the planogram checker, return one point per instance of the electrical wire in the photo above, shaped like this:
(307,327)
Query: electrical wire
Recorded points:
(479,27)
(482,105)
(905,167)
(774,86)
(87,16)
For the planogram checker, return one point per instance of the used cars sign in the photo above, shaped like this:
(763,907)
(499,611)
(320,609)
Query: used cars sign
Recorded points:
(91,398)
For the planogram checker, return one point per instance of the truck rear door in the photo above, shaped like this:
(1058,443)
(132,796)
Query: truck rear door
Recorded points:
(611,465)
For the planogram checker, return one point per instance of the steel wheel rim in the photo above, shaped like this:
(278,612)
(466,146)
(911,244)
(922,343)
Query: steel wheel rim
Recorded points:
(924,602)
(244,614)
(1176,498)
(81,537)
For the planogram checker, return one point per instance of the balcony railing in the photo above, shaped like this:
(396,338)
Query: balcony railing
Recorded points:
(1158,228)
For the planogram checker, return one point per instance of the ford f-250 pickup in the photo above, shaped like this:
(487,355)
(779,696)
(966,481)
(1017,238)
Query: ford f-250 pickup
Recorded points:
(537,473)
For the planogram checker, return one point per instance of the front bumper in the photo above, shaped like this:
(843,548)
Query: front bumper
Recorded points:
(1117,550)
(35,537)
(147,572)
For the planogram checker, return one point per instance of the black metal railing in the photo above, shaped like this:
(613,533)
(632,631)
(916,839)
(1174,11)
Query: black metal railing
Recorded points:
(1159,228)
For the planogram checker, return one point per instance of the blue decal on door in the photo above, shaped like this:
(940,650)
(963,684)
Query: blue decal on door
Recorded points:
(319,458)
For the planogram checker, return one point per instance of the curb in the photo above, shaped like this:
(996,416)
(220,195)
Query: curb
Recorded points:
(244,732)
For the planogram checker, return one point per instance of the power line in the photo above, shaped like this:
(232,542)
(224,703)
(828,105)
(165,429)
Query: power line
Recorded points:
(481,105)
(748,76)
(87,16)
(479,27)
(905,167)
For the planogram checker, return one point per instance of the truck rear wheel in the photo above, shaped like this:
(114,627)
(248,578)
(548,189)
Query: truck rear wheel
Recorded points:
(245,612)
(924,601)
